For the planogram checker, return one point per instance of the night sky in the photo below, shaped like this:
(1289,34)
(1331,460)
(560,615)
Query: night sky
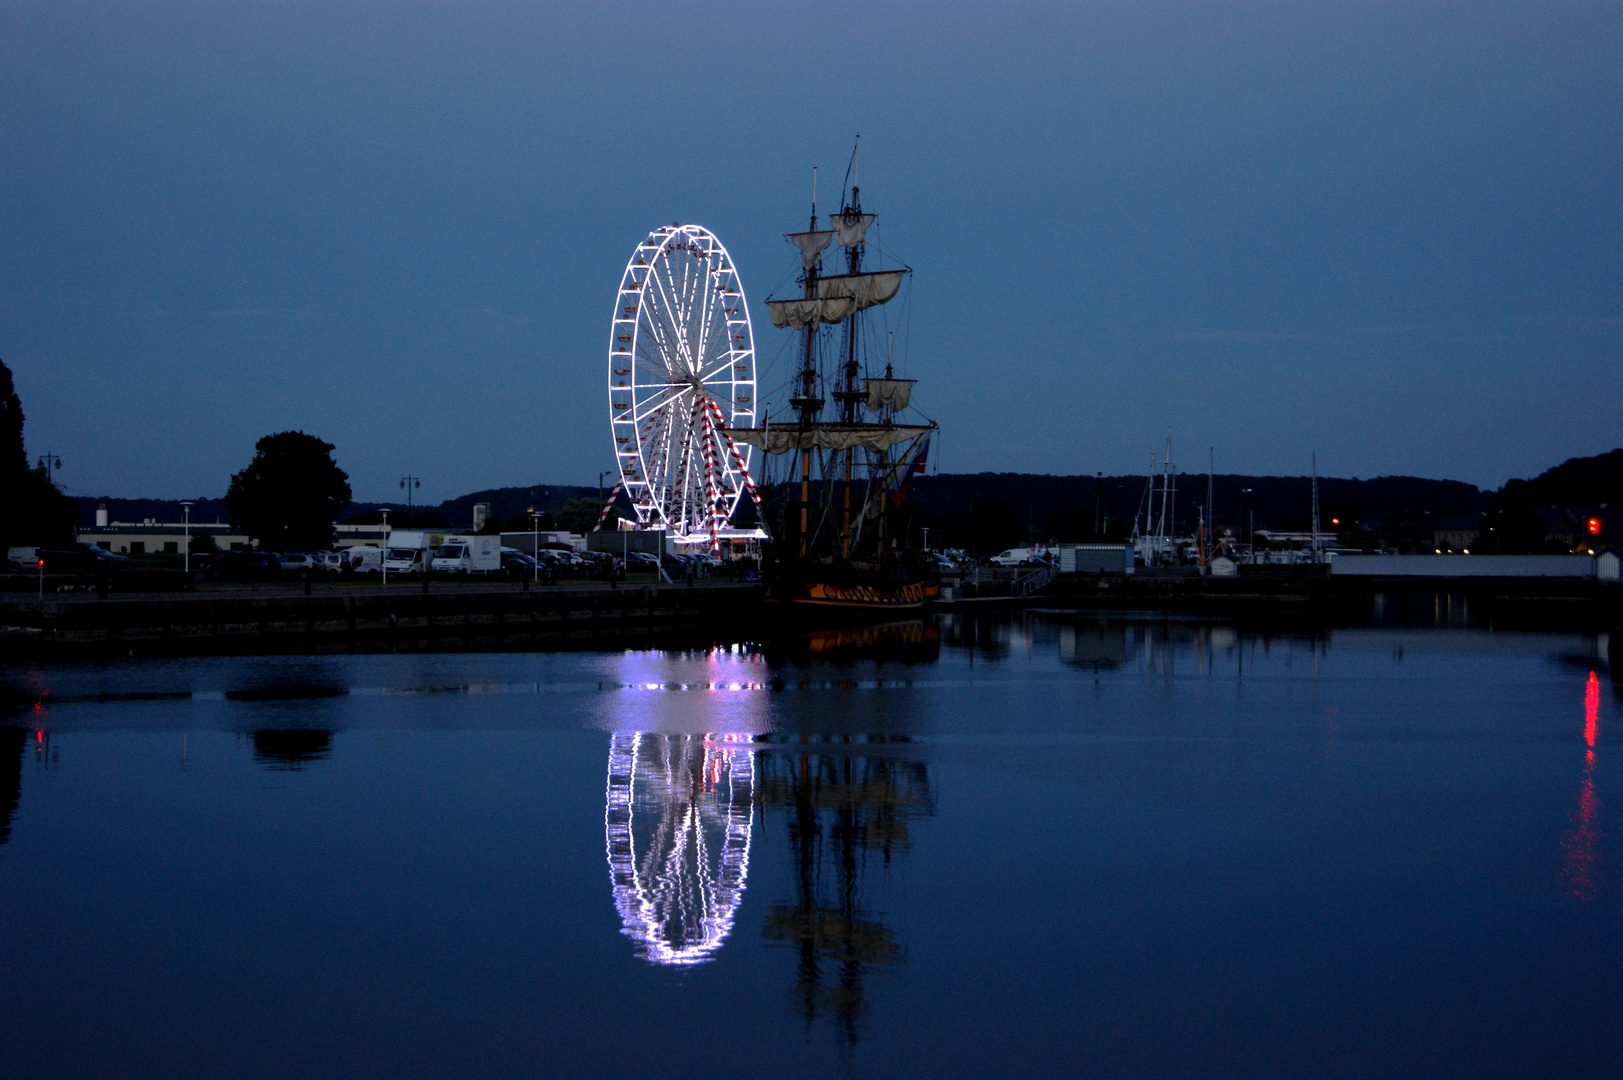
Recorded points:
(1392,234)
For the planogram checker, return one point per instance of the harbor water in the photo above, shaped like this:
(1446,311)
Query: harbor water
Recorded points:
(1024,845)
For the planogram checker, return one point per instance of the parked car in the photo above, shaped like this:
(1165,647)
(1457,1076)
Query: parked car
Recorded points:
(643,561)
(330,562)
(299,562)
(517,566)
(246,566)
(1013,557)
(77,559)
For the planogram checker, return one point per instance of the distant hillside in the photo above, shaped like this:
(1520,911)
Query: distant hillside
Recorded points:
(1589,481)
(1277,502)
(458,512)
(1044,504)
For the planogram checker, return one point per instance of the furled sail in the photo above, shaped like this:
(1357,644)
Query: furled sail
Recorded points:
(837,297)
(811,245)
(789,438)
(888,393)
(797,313)
(850,228)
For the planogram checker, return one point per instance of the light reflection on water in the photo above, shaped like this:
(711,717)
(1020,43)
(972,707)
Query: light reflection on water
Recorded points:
(680,810)
(925,842)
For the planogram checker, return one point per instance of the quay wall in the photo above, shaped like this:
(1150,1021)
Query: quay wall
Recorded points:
(246,621)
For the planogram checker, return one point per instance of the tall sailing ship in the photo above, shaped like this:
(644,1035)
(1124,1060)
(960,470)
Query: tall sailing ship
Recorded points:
(843,530)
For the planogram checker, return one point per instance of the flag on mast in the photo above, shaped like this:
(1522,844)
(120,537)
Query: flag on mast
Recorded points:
(902,482)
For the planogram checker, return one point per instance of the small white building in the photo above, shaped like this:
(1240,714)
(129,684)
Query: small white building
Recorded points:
(152,537)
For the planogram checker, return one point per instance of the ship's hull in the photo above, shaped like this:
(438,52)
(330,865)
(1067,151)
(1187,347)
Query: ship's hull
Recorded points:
(853,597)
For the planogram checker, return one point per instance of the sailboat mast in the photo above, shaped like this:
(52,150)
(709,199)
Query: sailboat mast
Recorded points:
(1315,506)
(1211,527)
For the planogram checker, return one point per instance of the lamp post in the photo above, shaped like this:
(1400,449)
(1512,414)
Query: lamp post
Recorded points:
(383,563)
(1251,548)
(410,482)
(186,545)
(535,542)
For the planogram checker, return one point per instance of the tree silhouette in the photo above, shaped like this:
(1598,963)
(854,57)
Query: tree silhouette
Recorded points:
(32,510)
(290,494)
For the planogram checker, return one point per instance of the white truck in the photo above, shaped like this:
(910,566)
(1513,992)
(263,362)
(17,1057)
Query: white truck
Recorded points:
(467,555)
(408,551)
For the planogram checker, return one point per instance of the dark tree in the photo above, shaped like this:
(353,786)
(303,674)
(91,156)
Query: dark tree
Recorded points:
(32,510)
(579,515)
(994,527)
(290,494)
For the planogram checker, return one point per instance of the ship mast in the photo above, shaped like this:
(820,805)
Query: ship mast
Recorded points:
(826,299)
(808,404)
(851,397)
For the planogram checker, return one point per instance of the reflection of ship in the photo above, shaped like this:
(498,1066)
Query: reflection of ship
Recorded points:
(862,553)
(845,804)
(908,642)
(677,830)
(291,749)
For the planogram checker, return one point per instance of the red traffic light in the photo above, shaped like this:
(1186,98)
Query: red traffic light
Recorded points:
(1594,526)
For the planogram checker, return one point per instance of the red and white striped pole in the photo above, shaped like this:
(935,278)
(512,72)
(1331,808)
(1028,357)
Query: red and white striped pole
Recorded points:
(710,471)
(604,516)
(738,458)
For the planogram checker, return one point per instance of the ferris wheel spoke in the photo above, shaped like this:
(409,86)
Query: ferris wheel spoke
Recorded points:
(664,401)
(673,322)
(722,364)
(669,354)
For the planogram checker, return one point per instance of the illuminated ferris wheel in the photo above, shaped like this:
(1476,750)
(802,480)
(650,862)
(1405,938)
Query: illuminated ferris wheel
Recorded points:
(681,373)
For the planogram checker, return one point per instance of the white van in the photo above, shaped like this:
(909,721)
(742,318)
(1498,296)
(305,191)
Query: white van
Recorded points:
(364,559)
(1013,557)
(467,555)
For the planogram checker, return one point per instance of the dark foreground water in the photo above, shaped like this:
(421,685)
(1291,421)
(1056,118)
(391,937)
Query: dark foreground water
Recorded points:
(1026,847)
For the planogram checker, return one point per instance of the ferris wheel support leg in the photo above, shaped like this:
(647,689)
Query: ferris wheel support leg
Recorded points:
(604,516)
(708,432)
(738,461)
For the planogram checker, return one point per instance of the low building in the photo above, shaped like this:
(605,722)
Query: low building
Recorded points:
(151,537)
(1456,533)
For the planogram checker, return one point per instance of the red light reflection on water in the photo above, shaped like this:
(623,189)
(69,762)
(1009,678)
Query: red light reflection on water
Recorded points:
(1591,709)
(1578,846)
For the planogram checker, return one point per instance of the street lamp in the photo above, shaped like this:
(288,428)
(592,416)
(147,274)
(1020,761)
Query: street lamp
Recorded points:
(535,542)
(1252,546)
(383,563)
(410,483)
(186,546)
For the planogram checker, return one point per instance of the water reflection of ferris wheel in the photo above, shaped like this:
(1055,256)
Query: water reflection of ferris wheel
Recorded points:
(677,830)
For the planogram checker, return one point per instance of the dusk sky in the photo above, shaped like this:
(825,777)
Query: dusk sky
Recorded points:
(1391,234)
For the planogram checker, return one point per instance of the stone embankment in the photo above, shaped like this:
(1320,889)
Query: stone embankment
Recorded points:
(367,616)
